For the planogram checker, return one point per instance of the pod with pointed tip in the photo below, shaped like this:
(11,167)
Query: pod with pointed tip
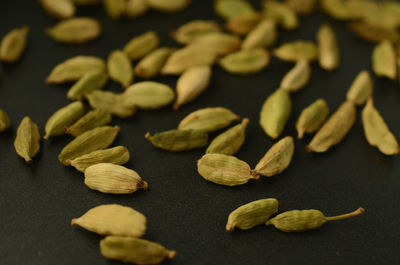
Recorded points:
(263,35)
(140,46)
(13,44)
(120,68)
(27,141)
(384,60)
(361,88)
(90,120)
(5,121)
(297,50)
(152,63)
(86,84)
(312,117)
(113,103)
(297,77)
(178,140)
(245,62)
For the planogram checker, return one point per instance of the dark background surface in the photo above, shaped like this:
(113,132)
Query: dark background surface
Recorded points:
(185,212)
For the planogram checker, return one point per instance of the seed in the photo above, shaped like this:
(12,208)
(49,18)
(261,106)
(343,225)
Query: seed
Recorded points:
(232,8)
(114,179)
(178,140)
(5,121)
(141,45)
(95,139)
(136,8)
(328,49)
(245,62)
(281,13)
(251,214)
(168,6)
(75,30)
(192,30)
(230,141)
(275,112)
(135,250)
(243,24)
(337,9)
(333,131)
(191,84)
(27,141)
(89,82)
(297,50)
(263,35)
(302,220)
(113,103)
(374,33)
(361,88)
(297,77)
(118,155)
(384,60)
(62,118)
(377,132)
(113,219)
(91,120)
(120,68)
(115,8)
(151,64)
(218,43)
(13,44)
(301,7)
(61,9)
(312,118)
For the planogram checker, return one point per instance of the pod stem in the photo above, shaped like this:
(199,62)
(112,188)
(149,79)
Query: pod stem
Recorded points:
(347,215)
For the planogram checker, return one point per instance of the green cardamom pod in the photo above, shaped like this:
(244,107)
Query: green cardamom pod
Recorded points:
(118,155)
(95,139)
(337,9)
(13,44)
(60,9)
(251,214)
(114,8)
(168,6)
(208,119)
(224,170)
(113,103)
(74,68)
(302,220)
(86,84)
(151,64)
(190,31)
(281,13)
(62,118)
(374,33)
(136,8)
(178,140)
(141,45)
(218,43)
(361,88)
(297,50)
(245,62)
(328,48)
(114,179)
(263,35)
(135,250)
(243,24)
(113,219)
(312,118)
(384,60)
(230,141)
(233,8)
(377,132)
(275,112)
(5,121)
(90,120)
(120,68)
(297,77)
(27,141)
(333,131)
(301,7)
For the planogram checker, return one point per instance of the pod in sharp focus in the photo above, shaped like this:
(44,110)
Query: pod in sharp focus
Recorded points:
(245,62)
(178,140)
(384,60)
(297,77)
(90,120)
(13,44)
(328,48)
(312,117)
(361,88)
(27,141)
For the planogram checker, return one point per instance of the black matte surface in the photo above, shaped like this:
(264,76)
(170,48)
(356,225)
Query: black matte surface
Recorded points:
(185,212)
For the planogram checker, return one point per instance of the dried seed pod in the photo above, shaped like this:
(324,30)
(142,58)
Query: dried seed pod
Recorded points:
(140,46)
(337,9)
(281,13)
(297,77)
(297,50)
(243,24)
(361,88)
(74,68)
(5,121)
(120,68)
(27,141)
(13,44)
(89,121)
(218,42)
(374,33)
(230,141)
(135,250)
(333,131)
(62,118)
(118,155)
(275,112)
(208,119)
(95,139)
(88,83)
(190,31)
(312,118)
(301,7)
(61,9)
(377,132)
(263,35)
(113,219)
(113,103)
(178,140)
(224,170)
(136,8)
(233,8)
(75,30)
(251,214)
(151,64)
(245,62)
(191,84)
(114,8)
(328,48)
(384,60)
(168,6)
(302,220)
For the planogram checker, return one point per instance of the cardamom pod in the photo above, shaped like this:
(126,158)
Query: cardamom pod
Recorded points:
(136,8)
(95,139)
(113,219)
(224,170)
(275,112)
(297,77)
(27,141)
(301,7)
(151,64)
(384,60)
(233,8)
(13,44)
(243,24)
(114,8)
(75,30)
(120,68)
(361,88)
(86,84)
(190,31)
(374,33)
(218,42)
(251,214)
(333,131)
(328,48)
(208,119)
(377,132)
(135,250)
(263,35)
(60,9)
(281,13)
(245,62)
(178,140)
(62,118)
(302,220)
(141,45)
(312,118)
(168,6)
(337,9)
(115,179)
(191,84)
(74,68)
(230,141)
(90,120)
(113,103)
(5,121)
(148,95)
(297,50)
(118,155)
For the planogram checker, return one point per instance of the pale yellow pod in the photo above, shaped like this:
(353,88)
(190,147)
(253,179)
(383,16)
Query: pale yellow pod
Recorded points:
(168,6)
(328,48)
(245,62)
(361,89)
(61,9)
(374,33)
(136,8)
(13,44)
(263,35)
(297,50)
(281,13)
(114,8)
(152,63)
(384,60)
(140,46)
(120,68)
(190,31)
(243,24)
(228,9)
(297,77)
(218,42)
